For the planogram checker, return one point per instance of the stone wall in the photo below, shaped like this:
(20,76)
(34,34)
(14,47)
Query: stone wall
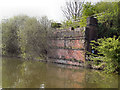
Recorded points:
(70,46)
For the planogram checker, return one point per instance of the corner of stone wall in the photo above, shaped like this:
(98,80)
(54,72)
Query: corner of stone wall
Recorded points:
(90,32)
(66,47)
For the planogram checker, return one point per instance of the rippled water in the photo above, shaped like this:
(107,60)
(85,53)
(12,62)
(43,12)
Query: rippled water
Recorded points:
(17,73)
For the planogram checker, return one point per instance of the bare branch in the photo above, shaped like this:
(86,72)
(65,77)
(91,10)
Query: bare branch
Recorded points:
(73,9)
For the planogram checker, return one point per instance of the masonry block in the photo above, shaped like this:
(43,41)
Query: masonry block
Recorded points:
(70,46)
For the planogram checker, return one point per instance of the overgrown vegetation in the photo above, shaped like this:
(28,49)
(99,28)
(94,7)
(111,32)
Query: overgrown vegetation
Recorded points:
(107,46)
(107,14)
(108,54)
(26,37)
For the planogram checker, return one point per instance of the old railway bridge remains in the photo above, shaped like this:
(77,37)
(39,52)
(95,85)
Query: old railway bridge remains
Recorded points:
(70,46)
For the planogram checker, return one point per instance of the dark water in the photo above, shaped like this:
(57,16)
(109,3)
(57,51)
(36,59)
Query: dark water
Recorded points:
(18,73)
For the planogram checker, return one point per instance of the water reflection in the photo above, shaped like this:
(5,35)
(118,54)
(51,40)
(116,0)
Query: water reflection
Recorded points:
(30,74)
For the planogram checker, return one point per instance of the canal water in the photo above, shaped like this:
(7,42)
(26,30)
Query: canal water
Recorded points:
(17,73)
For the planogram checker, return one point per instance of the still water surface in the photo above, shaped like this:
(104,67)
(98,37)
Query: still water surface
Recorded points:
(17,73)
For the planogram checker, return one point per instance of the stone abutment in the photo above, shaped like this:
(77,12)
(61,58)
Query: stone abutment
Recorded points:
(70,46)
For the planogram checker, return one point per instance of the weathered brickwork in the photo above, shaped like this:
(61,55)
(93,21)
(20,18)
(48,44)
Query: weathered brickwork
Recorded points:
(68,54)
(70,46)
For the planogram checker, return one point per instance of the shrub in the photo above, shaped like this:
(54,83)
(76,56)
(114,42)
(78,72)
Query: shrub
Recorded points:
(108,53)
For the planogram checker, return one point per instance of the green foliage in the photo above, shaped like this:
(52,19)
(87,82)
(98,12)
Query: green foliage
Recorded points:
(34,38)
(70,23)
(9,35)
(108,53)
(55,25)
(109,20)
(25,36)
(88,9)
(102,6)
(107,14)
(67,24)
(83,21)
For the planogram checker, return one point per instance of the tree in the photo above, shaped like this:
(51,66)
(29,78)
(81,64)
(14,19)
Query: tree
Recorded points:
(34,38)
(73,9)
(108,18)
(10,28)
(107,14)
(88,9)
(26,37)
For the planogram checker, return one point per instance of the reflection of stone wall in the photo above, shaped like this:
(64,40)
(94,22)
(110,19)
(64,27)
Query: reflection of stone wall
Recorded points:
(66,77)
(69,46)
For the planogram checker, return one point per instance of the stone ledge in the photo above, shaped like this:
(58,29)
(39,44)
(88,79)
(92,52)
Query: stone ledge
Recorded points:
(67,48)
(61,61)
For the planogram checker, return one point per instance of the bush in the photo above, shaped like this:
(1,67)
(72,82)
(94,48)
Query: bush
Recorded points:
(108,53)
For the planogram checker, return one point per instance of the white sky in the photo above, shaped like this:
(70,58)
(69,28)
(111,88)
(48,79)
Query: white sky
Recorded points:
(38,8)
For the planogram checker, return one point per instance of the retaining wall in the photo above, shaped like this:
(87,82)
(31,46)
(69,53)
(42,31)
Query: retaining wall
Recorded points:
(70,46)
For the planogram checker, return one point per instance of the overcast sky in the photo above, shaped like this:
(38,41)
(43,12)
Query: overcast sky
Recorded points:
(37,8)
